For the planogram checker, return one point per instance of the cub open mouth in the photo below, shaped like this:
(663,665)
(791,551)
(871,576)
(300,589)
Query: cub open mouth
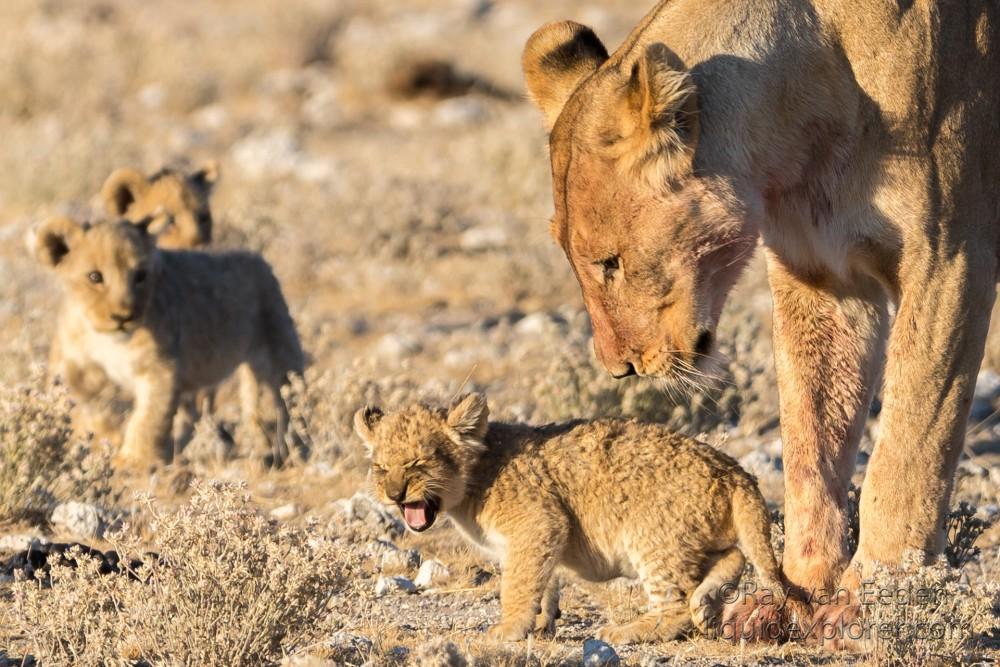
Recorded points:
(420,514)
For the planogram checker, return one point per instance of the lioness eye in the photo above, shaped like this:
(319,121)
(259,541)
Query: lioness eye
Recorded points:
(95,277)
(610,265)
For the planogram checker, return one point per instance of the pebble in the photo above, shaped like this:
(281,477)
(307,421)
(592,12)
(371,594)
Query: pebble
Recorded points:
(598,654)
(386,585)
(350,648)
(79,519)
(986,393)
(20,541)
(364,509)
(483,238)
(431,572)
(285,512)
(391,556)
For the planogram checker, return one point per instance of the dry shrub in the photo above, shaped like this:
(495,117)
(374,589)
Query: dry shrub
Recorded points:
(41,462)
(228,587)
(321,407)
(919,615)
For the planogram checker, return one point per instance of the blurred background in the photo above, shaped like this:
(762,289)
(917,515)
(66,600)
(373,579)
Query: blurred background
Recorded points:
(382,156)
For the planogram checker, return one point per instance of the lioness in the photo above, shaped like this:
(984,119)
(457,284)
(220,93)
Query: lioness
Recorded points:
(857,141)
(179,201)
(161,322)
(606,499)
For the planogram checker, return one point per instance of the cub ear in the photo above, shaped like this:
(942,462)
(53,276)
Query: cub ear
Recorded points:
(557,57)
(55,238)
(365,420)
(660,119)
(469,416)
(122,188)
(207,174)
(155,223)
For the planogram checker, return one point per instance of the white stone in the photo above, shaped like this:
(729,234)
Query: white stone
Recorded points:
(285,512)
(598,654)
(431,572)
(485,237)
(386,585)
(20,541)
(79,519)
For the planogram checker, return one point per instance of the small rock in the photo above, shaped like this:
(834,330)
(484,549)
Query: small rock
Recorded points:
(364,509)
(397,346)
(285,512)
(598,654)
(398,653)
(761,464)
(392,557)
(386,585)
(534,324)
(20,542)
(483,238)
(349,648)
(972,469)
(431,572)
(439,653)
(459,111)
(78,519)
(990,512)
(985,396)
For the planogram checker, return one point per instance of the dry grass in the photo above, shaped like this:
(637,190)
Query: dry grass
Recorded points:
(227,587)
(41,463)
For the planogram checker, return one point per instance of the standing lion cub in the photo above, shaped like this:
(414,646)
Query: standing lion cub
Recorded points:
(606,499)
(161,323)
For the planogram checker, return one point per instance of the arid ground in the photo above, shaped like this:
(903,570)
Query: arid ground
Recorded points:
(404,206)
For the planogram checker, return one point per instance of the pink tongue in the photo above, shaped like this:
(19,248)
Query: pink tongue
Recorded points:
(415,514)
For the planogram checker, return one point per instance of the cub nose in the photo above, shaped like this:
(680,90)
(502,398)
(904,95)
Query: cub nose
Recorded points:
(123,317)
(396,493)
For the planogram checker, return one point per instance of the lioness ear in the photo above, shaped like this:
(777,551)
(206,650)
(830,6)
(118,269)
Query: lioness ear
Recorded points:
(365,420)
(54,239)
(661,107)
(207,175)
(469,416)
(556,59)
(122,188)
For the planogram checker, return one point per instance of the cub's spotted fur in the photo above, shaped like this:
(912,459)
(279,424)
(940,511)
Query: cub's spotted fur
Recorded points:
(605,498)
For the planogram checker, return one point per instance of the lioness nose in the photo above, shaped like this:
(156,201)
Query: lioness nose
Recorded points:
(628,371)
(122,318)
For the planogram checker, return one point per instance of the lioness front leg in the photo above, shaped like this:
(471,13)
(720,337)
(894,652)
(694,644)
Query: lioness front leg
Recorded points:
(828,343)
(527,571)
(935,350)
(147,435)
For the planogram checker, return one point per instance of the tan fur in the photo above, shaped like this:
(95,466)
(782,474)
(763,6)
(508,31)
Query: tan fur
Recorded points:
(855,140)
(178,200)
(162,323)
(605,499)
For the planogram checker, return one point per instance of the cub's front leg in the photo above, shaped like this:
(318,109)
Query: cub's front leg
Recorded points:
(534,549)
(148,434)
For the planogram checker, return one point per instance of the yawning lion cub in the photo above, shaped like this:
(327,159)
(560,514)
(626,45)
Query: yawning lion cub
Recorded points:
(608,498)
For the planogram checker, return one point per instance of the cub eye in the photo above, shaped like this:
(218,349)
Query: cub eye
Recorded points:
(379,470)
(95,277)
(610,265)
(140,276)
(414,464)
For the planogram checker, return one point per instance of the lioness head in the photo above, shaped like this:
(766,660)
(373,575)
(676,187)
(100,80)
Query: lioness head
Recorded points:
(181,199)
(108,269)
(655,242)
(422,457)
